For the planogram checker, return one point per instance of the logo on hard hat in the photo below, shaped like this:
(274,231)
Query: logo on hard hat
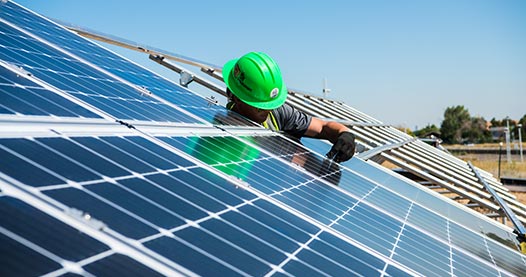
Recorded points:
(240,77)
(274,93)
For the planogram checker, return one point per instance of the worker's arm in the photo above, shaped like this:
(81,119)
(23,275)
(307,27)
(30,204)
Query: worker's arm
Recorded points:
(341,137)
(328,130)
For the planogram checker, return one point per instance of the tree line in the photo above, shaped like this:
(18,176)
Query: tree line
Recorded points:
(458,126)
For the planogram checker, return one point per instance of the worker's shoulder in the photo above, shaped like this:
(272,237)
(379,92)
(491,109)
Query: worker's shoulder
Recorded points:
(288,113)
(286,109)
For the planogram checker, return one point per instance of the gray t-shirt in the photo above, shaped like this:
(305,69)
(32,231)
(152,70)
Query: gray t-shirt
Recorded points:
(292,121)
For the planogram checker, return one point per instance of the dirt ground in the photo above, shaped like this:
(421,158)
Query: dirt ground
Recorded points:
(521,196)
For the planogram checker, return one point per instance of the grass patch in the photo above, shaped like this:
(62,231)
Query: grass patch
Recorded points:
(515,169)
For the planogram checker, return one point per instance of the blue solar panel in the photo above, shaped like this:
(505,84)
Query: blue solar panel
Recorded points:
(120,265)
(34,243)
(143,202)
(374,208)
(415,193)
(82,81)
(125,69)
(210,219)
(21,96)
(50,234)
(40,264)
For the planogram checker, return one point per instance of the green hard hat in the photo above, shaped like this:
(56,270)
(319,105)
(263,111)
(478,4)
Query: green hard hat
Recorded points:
(255,78)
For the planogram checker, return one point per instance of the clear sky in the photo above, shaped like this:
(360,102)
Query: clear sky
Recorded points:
(402,62)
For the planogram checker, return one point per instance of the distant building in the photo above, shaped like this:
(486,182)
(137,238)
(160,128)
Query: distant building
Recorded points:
(498,133)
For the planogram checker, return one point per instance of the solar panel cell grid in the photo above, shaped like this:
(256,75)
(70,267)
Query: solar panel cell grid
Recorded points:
(506,258)
(20,96)
(357,222)
(464,265)
(118,219)
(426,199)
(105,195)
(125,207)
(212,204)
(94,87)
(423,253)
(122,68)
(428,221)
(46,243)
(119,265)
(365,225)
(11,264)
(46,231)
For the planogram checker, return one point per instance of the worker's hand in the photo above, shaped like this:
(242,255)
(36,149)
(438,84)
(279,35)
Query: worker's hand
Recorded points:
(343,149)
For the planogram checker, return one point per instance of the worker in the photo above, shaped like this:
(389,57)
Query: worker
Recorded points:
(256,90)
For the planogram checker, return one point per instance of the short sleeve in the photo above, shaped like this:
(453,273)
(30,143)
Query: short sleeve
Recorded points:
(292,121)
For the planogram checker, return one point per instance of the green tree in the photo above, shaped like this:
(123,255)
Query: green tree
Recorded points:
(426,130)
(405,130)
(475,131)
(496,123)
(454,119)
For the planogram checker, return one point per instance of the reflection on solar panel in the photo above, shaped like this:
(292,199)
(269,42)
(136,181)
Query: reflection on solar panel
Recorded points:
(170,191)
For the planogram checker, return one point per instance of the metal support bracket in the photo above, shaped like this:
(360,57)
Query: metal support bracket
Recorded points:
(520,231)
(185,79)
(20,71)
(186,76)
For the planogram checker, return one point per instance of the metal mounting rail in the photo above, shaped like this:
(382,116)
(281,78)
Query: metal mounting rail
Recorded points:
(186,76)
(519,228)
(375,151)
(208,68)
(137,47)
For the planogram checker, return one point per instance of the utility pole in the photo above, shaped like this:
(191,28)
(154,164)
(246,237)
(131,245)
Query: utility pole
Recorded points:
(500,151)
(508,147)
(520,142)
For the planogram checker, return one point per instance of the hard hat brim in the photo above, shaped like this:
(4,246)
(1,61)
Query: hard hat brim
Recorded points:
(234,88)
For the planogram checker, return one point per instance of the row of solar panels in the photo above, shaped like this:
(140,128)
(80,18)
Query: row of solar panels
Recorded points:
(108,168)
(436,168)
(388,139)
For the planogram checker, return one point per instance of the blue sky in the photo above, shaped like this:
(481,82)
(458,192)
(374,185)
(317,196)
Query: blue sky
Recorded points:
(402,62)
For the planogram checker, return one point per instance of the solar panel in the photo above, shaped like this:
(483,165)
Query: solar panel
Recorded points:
(24,97)
(139,82)
(436,168)
(188,198)
(185,209)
